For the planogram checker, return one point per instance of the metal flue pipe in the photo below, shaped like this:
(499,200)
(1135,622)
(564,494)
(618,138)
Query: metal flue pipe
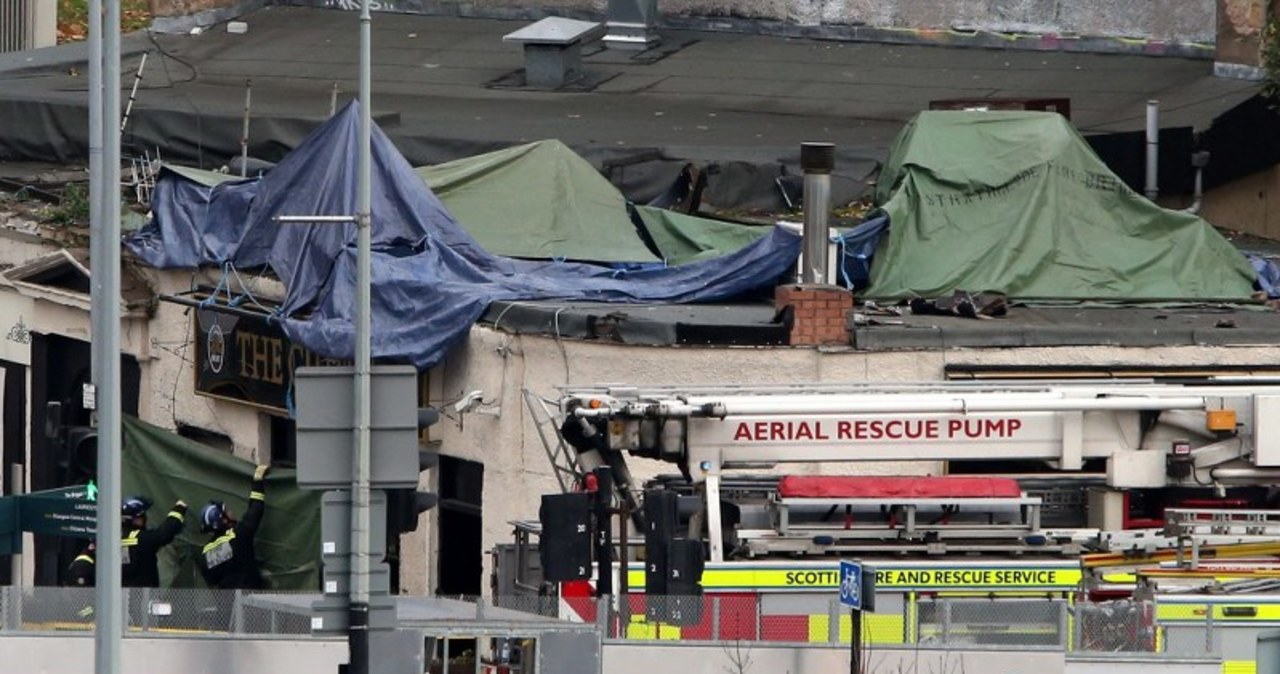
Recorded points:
(816,160)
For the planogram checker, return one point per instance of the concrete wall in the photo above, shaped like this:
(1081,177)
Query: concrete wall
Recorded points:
(717,658)
(73,654)
(1180,21)
(1114,663)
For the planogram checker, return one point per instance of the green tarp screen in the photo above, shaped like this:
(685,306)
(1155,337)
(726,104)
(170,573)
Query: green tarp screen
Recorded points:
(166,467)
(1017,203)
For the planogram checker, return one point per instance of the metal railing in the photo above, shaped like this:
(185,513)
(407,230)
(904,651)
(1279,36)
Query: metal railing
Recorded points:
(947,623)
(1125,626)
(176,611)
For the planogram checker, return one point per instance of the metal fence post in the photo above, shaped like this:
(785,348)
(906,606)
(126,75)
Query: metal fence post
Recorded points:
(715,617)
(237,614)
(602,616)
(834,613)
(1208,631)
(946,621)
(1064,619)
(759,616)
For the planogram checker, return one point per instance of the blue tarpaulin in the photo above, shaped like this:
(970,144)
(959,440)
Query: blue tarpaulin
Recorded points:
(431,280)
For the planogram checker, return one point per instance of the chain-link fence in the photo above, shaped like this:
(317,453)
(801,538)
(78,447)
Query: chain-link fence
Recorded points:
(1110,627)
(1131,626)
(926,622)
(47,609)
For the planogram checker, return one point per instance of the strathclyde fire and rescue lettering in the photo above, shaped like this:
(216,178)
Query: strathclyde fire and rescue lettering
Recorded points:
(949,428)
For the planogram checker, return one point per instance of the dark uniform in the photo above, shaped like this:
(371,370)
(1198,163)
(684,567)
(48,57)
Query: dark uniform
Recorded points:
(82,572)
(228,561)
(140,549)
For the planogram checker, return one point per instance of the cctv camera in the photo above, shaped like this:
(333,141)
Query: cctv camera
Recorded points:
(469,402)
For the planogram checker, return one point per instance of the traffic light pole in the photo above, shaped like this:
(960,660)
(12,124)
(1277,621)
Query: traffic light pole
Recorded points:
(358,616)
(105,323)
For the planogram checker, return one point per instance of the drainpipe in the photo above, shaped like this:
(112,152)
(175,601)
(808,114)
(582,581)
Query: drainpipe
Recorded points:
(1199,160)
(1153,150)
(816,160)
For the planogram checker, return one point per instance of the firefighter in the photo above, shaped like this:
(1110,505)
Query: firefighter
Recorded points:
(83,572)
(227,561)
(140,546)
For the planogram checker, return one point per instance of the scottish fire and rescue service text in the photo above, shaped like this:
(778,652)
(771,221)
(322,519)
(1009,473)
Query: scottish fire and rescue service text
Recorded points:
(938,578)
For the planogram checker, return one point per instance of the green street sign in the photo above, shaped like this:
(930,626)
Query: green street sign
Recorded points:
(69,511)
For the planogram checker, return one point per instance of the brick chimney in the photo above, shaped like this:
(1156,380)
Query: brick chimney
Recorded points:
(818,313)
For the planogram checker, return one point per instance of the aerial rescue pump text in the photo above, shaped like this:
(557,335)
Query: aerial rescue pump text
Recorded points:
(878,429)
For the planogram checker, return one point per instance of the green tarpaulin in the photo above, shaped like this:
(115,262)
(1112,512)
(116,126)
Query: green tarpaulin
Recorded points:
(1018,203)
(539,200)
(685,238)
(166,467)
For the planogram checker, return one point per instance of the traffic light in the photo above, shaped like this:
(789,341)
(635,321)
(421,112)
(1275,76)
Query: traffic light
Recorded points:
(75,447)
(82,454)
(660,517)
(683,603)
(564,548)
(405,505)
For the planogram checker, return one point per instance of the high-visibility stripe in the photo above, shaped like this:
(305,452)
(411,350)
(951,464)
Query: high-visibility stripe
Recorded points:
(1239,667)
(181,517)
(1253,611)
(130,539)
(894,578)
(225,538)
(877,628)
(257,496)
(83,558)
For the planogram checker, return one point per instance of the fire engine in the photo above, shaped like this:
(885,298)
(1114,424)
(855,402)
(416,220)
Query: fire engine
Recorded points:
(772,542)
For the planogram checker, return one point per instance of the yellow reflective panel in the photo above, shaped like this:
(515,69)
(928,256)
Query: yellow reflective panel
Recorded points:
(876,628)
(1239,667)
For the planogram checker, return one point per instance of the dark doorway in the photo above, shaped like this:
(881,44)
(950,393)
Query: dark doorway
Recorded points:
(14,422)
(460,566)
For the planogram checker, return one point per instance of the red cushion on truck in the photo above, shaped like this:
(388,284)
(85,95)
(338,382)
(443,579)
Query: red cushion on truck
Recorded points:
(804,486)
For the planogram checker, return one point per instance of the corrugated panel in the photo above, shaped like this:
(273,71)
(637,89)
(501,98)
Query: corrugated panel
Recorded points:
(17,24)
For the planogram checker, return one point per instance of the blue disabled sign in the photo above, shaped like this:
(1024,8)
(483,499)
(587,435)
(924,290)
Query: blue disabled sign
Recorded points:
(851,584)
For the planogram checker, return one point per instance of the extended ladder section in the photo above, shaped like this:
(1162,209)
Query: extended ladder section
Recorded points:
(1194,547)
(1149,435)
